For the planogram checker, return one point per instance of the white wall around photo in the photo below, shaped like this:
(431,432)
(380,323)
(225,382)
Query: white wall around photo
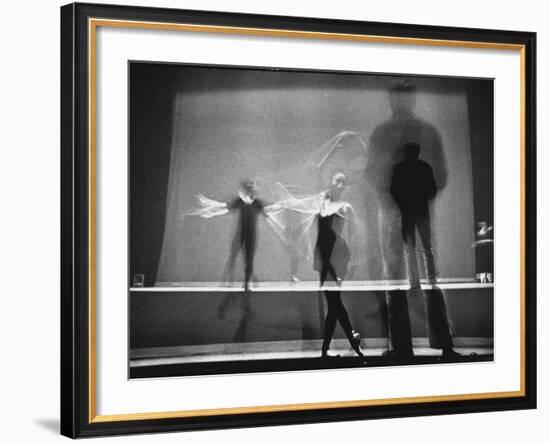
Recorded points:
(29,233)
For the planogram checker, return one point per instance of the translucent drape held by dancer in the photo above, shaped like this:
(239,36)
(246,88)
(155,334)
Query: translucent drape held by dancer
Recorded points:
(333,257)
(295,228)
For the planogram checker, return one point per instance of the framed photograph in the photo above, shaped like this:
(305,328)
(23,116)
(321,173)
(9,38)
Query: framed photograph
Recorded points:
(272,220)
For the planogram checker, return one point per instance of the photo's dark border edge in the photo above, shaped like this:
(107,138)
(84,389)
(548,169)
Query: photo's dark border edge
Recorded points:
(272,365)
(287,366)
(128,213)
(302,70)
(75,221)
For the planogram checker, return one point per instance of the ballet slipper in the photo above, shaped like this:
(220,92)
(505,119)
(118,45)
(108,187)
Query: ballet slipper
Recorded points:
(325,355)
(356,343)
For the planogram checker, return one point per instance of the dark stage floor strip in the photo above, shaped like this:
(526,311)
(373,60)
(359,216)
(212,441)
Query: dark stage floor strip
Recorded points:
(292,364)
(291,355)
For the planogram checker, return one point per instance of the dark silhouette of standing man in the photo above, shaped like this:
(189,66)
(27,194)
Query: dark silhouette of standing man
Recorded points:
(413,186)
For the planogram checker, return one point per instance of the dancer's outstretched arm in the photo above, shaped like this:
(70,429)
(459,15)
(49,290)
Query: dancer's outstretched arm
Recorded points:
(209,207)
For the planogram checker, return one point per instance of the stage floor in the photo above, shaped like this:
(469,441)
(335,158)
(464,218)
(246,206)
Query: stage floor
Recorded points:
(284,350)
(173,314)
(290,355)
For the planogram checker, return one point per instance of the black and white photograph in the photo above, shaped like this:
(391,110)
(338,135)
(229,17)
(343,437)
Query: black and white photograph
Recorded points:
(275,221)
(284,219)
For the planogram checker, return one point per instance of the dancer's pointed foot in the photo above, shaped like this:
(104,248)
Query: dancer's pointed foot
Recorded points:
(325,355)
(356,343)
(339,281)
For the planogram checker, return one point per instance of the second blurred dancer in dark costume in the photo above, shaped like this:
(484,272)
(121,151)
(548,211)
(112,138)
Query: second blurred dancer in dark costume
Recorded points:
(332,258)
(248,207)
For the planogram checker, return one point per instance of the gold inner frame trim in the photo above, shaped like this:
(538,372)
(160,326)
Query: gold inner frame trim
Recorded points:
(93,24)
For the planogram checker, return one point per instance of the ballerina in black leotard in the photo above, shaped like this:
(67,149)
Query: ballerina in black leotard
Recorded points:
(333,256)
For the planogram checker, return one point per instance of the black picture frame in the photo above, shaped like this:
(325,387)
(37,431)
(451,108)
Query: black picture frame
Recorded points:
(78,418)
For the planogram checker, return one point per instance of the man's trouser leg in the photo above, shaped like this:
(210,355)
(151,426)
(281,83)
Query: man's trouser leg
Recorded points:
(409,246)
(424,230)
(399,323)
(439,330)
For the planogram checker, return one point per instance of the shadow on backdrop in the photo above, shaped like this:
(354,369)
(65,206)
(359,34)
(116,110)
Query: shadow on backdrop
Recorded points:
(385,151)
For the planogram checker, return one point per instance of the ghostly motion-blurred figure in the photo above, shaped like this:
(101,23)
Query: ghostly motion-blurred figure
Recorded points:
(248,207)
(384,151)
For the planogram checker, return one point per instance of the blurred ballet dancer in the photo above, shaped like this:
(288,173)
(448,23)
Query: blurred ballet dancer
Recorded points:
(301,216)
(248,207)
(332,249)
(332,254)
